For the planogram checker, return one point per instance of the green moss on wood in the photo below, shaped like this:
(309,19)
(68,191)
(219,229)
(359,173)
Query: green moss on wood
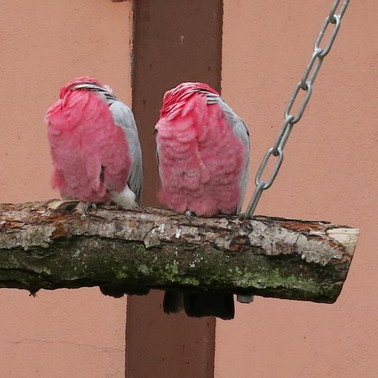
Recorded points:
(95,261)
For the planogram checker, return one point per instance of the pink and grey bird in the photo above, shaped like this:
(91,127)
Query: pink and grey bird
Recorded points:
(203,154)
(94,145)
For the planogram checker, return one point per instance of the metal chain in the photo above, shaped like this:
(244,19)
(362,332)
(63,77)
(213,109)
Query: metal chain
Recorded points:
(305,85)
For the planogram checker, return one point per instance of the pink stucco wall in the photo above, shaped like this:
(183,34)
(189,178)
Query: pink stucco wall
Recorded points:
(329,173)
(43,44)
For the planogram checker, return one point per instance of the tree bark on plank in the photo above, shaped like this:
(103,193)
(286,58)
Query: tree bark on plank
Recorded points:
(47,245)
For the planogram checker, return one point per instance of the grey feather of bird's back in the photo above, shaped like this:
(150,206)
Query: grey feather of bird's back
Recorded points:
(123,117)
(240,130)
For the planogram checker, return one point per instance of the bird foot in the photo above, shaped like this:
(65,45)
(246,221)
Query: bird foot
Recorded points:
(189,215)
(245,298)
(84,207)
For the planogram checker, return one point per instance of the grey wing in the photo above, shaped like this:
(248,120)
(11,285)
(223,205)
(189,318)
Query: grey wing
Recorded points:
(240,130)
(160,168)
(124,117)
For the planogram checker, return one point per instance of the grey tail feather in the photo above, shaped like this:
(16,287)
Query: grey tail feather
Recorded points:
(219,304)
(173,301)
(200,304)
(118,291)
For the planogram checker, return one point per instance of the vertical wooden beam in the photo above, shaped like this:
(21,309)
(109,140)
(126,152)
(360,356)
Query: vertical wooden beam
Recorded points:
(174,41)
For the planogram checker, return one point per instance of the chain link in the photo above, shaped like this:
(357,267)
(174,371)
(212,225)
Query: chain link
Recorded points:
(305,86)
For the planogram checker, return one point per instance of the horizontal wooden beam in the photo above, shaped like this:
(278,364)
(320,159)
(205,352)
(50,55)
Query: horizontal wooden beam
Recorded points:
(50,245)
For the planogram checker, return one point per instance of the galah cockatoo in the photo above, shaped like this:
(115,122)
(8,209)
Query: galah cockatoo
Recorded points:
(203,154)
(94,145)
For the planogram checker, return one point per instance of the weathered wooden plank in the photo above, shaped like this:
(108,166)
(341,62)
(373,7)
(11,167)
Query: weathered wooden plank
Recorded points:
(134,251)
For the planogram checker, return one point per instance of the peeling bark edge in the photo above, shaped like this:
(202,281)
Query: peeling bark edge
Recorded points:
(46,248)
